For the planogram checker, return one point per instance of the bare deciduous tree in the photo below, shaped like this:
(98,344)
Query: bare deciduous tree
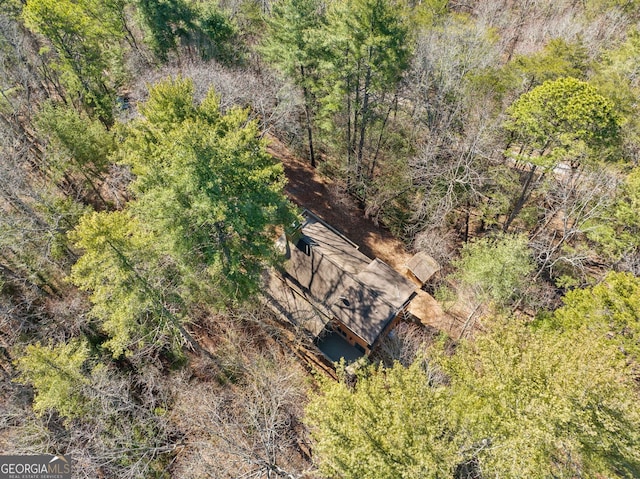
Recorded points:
(277,105)
(572,206)
(406,343)
(251,430)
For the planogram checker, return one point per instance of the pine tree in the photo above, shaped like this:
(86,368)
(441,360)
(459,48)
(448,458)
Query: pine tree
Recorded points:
(292,45)
(56,374)
(515,402)
(200,230)
(563,120)
(366,51)
(206,190)
(395,423)
(86,36)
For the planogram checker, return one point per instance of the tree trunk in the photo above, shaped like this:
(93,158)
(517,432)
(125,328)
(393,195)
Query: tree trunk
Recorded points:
(307,112)
(349,155)
(374,160)
(524,195)
(364,120)
(466,222)
(355,128)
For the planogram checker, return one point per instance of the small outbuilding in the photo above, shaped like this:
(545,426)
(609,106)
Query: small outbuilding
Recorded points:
(423,267)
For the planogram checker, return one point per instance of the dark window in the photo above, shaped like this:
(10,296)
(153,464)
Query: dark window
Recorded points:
(304,245)
(359,348)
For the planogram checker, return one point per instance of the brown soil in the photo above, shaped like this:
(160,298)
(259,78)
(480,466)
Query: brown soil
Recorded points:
(328,200)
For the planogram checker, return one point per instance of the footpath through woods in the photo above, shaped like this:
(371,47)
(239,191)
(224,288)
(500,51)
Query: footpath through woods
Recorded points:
(309,189)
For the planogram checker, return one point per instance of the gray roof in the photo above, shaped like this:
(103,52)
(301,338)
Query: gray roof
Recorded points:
(363,294)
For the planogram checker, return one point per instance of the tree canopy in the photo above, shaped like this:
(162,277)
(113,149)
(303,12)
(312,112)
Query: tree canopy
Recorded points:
(394,424)
(514,402)
(138,222)
(610,309)
(56,374)
(208,200)
(536,404)
(496,269)
(565,119)
(86,36)
(366,51)
(206,188)
(121,269)
(617,232)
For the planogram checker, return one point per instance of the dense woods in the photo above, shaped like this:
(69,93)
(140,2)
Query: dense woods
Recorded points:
(139,211)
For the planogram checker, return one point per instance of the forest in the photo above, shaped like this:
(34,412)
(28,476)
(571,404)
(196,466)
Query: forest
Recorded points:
(145,175)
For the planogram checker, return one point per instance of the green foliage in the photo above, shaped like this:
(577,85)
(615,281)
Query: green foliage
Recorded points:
(56,374)
(617,232)
(208,200)
(497,269)
(79,144)
(98,404)
(293,46)
(206,188)
(366,52)
(426,14)
(565,119)
(610,309)
(168,23)
(558,59)
(617,72)
(169,104)
(364,38)
(395,424)
(515,402)
(217,32)
(291,43)
(534,404)
(500,191)
(118,259)
(617,75)
(86,36)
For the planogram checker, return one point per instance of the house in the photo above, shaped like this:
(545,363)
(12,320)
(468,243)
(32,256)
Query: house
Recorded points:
(356,300)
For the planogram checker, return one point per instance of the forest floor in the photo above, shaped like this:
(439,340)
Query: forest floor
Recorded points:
(308,188)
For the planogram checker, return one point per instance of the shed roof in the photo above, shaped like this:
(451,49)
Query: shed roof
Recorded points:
(363,294)
(423,266)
